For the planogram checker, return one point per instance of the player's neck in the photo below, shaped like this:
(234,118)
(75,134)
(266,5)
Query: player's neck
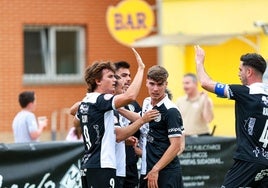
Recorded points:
(28,108)
(103,90)
(155,101)
(254,80)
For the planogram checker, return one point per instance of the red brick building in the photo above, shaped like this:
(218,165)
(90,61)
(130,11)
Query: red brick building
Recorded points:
(35,37)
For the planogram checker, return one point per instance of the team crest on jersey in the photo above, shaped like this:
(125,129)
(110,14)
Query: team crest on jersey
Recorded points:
(107,96)
(83,108)
(131,107)
(265,100)
(158,118)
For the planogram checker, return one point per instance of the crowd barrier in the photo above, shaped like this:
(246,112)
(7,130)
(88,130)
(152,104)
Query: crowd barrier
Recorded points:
(206,160)
(56,164)
(40,165)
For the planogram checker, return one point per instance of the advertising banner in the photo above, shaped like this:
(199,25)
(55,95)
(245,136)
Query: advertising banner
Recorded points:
(56,164)
(206,160)
(40,165)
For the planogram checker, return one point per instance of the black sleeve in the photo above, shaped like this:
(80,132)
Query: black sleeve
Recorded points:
(237,92)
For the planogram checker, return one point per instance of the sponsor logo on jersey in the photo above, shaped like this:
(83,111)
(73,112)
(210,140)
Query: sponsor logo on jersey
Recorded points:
(174,130)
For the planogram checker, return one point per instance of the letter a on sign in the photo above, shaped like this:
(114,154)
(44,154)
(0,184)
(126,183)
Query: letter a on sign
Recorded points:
(130,20)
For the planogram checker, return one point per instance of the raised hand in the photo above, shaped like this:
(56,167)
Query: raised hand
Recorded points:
(199,54)
(138,58)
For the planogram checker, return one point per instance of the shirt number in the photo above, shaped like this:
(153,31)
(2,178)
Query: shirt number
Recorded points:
(112,182)
(264,135)
(86,135)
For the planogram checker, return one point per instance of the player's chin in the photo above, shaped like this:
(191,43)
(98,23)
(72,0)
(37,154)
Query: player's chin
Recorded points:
(125,89)
(112,90)
(155,97)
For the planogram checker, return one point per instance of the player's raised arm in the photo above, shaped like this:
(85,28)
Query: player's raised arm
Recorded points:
(125,132)
(206,82)
(133,90)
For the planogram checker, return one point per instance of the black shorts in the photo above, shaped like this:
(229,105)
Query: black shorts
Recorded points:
(119,181)
(168,179)
(132,176)
(171,179)
(142,182)
(246,174)
(98,177)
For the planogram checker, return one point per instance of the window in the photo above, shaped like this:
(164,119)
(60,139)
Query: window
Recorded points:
(54,54)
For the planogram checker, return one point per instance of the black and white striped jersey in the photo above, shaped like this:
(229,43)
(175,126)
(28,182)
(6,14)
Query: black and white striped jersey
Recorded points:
(96,117)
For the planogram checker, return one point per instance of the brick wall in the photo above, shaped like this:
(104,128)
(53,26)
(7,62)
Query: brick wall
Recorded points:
(99,46)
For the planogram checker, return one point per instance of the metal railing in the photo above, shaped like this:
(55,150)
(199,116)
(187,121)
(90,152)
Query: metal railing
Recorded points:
(65,123)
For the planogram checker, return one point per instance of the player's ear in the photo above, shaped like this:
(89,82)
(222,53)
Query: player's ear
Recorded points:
(147,82)
(249,71)
(98,82)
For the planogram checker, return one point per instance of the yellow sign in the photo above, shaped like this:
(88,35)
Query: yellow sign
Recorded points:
(130,20)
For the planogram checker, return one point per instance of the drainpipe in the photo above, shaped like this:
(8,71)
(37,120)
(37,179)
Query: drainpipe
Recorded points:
(159,30)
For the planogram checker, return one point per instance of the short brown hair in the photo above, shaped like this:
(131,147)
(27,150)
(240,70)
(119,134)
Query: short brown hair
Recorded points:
(255,61)
(157,73)
(94,72)
(121,64)
(26,97)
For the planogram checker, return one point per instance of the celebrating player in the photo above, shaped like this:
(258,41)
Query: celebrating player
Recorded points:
(164,135)
(250,168)
(96,117)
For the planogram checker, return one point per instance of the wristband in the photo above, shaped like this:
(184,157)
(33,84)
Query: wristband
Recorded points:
(219,89)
